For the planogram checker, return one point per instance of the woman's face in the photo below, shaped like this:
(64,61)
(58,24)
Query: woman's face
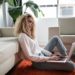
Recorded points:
(30,23)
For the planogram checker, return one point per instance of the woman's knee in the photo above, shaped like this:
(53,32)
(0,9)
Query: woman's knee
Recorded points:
(56,37)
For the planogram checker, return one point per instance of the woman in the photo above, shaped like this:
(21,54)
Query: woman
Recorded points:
(25,29)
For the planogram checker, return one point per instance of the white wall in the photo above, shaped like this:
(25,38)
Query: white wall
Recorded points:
(42,28)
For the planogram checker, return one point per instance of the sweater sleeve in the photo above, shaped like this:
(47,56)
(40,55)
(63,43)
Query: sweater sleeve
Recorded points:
(24,42)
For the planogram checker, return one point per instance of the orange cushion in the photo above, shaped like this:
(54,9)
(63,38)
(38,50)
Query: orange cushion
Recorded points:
(24,63)
(22,67)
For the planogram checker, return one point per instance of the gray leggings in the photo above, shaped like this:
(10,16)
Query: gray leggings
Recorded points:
(68,66)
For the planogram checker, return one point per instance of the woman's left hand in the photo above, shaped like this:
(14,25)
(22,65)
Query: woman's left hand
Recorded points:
(57,54)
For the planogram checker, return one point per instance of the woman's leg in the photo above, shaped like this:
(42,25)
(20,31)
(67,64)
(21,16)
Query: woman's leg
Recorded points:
(68,66)
(56,41)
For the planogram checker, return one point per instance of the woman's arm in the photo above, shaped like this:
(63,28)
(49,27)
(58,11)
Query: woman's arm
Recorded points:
(43,59)
(37,58)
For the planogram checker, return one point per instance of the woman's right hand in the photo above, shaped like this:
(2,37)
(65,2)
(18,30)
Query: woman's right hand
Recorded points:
(54,57)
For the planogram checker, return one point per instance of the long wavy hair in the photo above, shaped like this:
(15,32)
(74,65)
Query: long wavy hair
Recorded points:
(22,25)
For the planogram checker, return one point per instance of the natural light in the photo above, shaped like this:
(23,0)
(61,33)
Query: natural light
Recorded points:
(66,8)
(49,12)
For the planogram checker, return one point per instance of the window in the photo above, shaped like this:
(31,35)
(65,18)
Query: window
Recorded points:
(65,11)
(66,8)
(56,8)
(49,7)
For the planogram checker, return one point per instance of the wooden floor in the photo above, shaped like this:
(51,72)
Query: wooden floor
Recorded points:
(22,69)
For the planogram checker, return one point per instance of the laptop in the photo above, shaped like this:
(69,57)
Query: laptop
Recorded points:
(65,59)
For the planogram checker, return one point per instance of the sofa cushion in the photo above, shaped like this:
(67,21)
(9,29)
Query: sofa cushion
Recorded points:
(7,32)
(7,49)
(68,39)
(0,34)
(67,26)
(8,39)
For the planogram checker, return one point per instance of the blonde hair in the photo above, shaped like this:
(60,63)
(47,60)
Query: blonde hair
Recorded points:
(21,25)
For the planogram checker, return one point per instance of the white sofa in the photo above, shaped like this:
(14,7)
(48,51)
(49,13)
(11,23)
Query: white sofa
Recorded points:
(65,30)
(9,47)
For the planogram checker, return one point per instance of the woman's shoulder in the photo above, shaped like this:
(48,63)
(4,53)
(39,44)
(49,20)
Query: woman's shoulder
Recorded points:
(22,35)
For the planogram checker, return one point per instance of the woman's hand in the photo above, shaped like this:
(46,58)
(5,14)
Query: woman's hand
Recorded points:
(57,53)
(54,57)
